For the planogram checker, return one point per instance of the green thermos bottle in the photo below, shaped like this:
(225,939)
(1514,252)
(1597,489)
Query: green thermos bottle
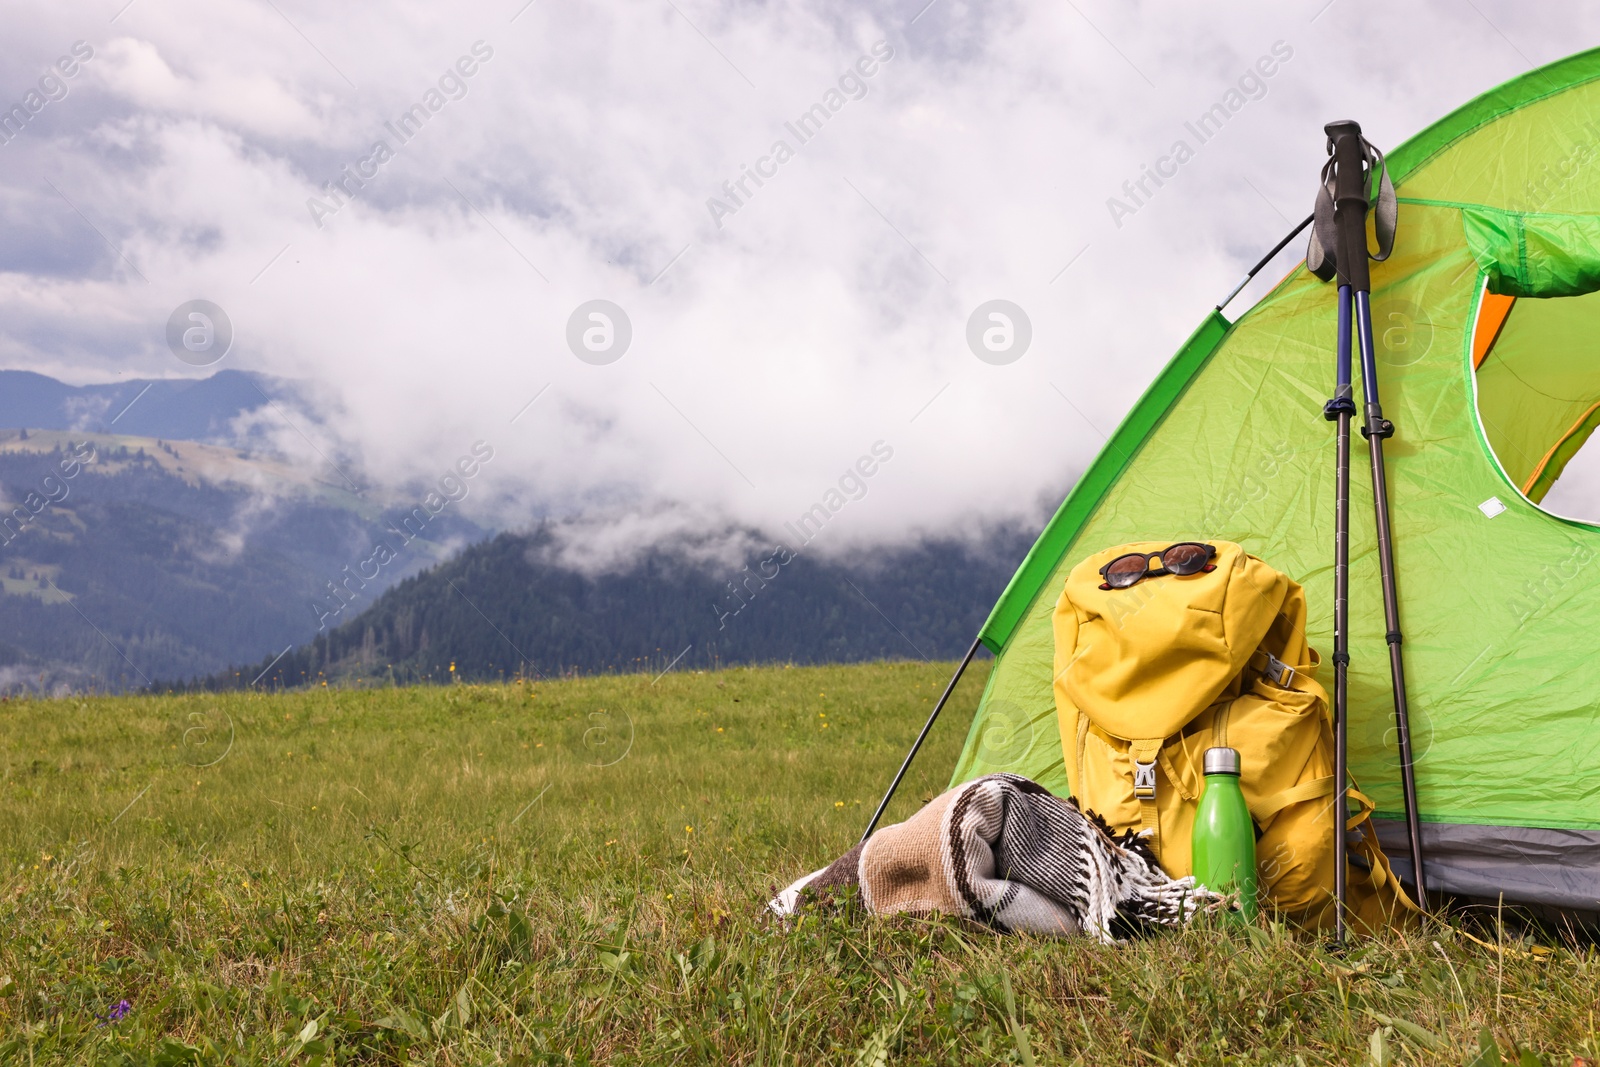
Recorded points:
(1224,841)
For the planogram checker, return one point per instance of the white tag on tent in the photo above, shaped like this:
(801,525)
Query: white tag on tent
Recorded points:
(1491,507)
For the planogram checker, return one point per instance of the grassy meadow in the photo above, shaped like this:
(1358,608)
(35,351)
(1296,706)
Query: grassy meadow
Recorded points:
(574,871)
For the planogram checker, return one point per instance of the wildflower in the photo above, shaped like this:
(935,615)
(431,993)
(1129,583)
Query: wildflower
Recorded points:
(838,803)
(719,729)
(688,829)
(118,1012)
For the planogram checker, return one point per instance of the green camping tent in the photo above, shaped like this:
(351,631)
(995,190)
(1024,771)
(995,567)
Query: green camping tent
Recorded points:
(1487,319)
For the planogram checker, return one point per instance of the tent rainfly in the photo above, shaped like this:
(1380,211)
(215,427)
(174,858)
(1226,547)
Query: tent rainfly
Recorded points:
(1488,324)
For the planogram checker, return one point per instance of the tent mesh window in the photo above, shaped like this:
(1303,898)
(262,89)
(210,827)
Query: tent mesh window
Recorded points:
(1537,364)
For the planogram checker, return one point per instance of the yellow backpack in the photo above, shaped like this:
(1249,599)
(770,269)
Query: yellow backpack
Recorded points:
(1149,677)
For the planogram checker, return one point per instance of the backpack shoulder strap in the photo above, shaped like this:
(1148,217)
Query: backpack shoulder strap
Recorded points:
(1270,806)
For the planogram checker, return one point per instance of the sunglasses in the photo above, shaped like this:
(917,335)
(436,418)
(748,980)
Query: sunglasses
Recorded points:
(1185,557)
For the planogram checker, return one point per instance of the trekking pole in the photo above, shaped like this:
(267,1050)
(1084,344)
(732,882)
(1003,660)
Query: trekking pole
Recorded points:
(1353,162)
(1339,410)
(915,745)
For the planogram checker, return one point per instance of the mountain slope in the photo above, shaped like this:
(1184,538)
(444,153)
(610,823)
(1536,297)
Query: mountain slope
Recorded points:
(167,555)
(124,560)
(183,409)
(501,607)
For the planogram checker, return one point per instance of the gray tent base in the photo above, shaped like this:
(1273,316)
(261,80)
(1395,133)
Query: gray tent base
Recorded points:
(1558,869)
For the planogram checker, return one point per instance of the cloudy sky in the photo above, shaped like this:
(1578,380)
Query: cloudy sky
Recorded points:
(776,329)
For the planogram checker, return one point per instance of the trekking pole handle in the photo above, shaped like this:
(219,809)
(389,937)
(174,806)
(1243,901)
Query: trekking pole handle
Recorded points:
(1350,203)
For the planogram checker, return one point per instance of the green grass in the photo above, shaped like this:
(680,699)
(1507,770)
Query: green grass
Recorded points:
(574,871)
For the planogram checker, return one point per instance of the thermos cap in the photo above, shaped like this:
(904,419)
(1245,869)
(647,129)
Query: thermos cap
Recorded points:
(1222,761)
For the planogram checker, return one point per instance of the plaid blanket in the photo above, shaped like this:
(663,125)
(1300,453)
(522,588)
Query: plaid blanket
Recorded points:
(1004,851)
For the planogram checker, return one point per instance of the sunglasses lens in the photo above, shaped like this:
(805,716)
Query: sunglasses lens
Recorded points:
(1124,571)
(1185,559)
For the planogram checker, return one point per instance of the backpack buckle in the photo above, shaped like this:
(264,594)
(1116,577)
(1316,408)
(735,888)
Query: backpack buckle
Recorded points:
(1278,672)
(1144,780)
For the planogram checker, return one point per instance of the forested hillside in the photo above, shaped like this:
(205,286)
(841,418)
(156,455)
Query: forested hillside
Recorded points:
(502,608)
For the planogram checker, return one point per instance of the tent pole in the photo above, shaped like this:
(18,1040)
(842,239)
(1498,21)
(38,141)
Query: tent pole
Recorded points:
(1339,409)
(951,688)
(1350,220)
(1253,271)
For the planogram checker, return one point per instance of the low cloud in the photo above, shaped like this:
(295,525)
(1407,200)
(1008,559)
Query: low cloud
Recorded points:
(605,541)
(830,312)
